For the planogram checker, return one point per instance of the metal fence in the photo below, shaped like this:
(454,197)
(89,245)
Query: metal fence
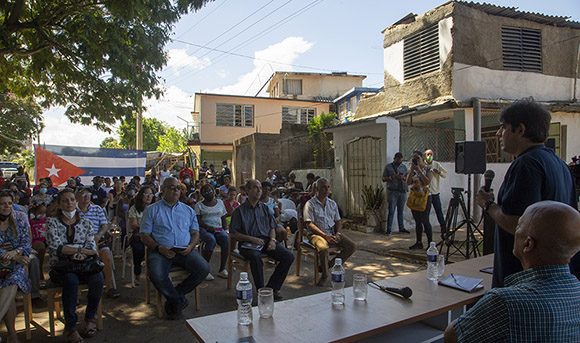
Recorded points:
(440,140)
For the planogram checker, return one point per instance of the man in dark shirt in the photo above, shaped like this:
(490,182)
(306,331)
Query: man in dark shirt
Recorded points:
(255,228)
(395,175)
(536,174)
(98,195)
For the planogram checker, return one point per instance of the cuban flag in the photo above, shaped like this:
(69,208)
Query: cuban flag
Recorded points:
(62,162)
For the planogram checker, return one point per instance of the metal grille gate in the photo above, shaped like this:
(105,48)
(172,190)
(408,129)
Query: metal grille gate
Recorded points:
(365,159)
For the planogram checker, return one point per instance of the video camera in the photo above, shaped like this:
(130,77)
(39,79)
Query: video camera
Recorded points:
(457,191)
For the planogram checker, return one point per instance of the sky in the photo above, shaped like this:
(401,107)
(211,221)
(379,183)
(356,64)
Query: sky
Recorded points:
(249,40)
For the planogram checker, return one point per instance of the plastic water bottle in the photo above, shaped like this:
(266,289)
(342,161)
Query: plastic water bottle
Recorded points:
(432,254)
(337,280)
(244,298)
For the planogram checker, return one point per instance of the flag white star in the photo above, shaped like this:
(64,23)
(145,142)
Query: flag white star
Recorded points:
(52,171)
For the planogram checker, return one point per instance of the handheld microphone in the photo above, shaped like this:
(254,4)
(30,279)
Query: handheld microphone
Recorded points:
(488,176)
(404,292)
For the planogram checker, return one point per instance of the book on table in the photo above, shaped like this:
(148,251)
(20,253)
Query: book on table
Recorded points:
(463,283)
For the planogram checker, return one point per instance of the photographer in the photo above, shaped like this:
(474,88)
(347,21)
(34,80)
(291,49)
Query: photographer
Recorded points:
(419,202)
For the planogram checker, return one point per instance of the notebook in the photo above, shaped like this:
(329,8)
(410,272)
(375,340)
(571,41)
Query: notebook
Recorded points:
(462,282)
(488,270)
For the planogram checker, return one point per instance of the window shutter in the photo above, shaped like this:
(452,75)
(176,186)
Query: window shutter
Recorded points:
(421,52)
(293,87)
(522,49)
(224,115)
(248,116)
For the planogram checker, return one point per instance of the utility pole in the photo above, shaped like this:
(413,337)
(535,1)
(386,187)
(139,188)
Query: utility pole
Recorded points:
(139,132)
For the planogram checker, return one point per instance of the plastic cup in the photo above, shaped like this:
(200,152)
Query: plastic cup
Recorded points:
(440,265)
(266,302)
(359,287)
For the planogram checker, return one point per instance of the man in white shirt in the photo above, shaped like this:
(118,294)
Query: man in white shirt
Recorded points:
(438,173)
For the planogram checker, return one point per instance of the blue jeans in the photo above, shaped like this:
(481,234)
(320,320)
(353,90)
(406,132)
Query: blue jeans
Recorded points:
(211,239)
(159,267)
(69,297)
(436,201)
(396,200)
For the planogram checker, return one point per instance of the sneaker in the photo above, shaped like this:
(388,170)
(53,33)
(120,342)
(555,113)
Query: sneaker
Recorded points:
(404,231)
(209,277)
(113,293)
(388,233)
(416,246)
(278,296)
(223,274)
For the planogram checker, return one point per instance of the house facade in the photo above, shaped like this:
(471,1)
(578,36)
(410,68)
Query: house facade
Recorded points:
(312,86)
(221,119)
(448,73)
(347,103)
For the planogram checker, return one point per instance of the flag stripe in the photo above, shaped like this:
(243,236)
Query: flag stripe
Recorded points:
(105,162)
(114,171)
(94,152)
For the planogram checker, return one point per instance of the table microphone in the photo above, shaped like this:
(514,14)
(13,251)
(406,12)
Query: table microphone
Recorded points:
(488,176)
(405,292)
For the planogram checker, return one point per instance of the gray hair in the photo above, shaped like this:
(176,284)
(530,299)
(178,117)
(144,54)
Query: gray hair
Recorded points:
(168,180)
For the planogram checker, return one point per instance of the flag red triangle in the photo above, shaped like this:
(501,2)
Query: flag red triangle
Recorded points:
(55,167)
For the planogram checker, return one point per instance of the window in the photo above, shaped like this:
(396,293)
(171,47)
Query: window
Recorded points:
(293,87)
(421,52)
(297,115)
(521,49)
(234,115)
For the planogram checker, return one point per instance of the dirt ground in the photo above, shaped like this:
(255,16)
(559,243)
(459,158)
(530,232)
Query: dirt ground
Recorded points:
(130,319)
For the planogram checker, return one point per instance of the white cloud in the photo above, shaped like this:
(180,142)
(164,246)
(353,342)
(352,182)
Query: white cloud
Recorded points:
(178,59)
(274,58)
(59,130)
(222,73)
(175,102)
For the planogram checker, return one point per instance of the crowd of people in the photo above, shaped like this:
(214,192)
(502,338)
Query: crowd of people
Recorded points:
(178,218)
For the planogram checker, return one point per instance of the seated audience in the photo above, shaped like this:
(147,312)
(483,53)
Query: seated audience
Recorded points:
(323,224)
(170,231)
(255,228)
(37,222)
(69,238)
(292,183)
(14,251)
(211,215)
(540,303)
(143,199)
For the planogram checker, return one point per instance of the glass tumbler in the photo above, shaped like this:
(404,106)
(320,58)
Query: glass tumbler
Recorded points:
(440,265)
(266,302)
(359,287)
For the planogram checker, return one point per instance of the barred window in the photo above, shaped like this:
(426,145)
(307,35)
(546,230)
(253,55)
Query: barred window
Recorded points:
(297,115)
(293,87)
(521,49)
(234,115)
(421,52)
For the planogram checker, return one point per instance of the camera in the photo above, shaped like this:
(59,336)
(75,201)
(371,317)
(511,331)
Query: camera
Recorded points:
(457,192)
(415,161)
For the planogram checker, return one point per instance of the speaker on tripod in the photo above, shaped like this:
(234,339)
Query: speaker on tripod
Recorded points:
(469,159)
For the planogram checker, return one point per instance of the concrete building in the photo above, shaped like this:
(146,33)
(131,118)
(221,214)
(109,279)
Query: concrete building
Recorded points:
(347,103)
(221,119)
(448,73)
(311,86)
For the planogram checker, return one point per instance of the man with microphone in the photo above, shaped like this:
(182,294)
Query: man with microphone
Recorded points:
(535,174)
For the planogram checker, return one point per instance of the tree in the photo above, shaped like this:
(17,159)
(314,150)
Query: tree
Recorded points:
(111,143)
(172,141)
(20,118)
(152,130)
(320,141)
(96,58)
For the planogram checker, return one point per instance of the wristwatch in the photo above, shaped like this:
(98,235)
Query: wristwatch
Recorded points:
(488,205)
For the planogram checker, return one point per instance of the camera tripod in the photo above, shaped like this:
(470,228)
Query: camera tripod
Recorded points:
(470,244)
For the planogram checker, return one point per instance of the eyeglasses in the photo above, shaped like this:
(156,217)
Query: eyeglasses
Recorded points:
(173,188)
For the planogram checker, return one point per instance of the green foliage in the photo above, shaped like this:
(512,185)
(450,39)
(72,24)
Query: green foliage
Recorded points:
(98,59)
(321,141)
(20,118)
(172,141)
(26,159)
(373,198)
(152,130)
(111,143)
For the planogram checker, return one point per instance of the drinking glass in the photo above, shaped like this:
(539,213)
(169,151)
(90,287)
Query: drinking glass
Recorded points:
(359,287)
(440,265)
(266,302)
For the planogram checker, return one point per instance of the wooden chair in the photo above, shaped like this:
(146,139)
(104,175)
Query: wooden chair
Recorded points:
(176,274)
(127,260)
(306,249)
(53,299)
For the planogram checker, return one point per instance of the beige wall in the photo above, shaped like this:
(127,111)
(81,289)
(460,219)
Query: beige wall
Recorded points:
(267,116)
(317,85)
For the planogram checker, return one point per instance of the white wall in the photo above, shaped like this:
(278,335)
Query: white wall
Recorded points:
(572,120)
(474,81)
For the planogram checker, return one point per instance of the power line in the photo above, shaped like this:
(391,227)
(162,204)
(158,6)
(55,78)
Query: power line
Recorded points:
(203,18)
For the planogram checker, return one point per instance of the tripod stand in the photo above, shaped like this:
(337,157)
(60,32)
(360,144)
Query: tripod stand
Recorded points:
(471,243)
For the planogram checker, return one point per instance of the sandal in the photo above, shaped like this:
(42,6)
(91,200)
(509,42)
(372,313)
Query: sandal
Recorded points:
(90,328)
(73,337)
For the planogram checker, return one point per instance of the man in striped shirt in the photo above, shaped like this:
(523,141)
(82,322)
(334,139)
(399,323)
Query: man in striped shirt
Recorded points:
(540,303)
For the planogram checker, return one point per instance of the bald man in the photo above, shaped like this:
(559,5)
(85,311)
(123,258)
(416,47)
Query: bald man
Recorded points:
(540,303)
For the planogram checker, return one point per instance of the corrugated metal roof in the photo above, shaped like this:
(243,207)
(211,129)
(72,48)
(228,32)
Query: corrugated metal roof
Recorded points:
(513,12)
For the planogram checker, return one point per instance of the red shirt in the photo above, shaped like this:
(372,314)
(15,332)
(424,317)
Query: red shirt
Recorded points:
(185,172)
(231,206)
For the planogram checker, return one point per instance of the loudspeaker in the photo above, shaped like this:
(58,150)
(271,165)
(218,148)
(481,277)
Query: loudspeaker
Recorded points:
(470,157)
